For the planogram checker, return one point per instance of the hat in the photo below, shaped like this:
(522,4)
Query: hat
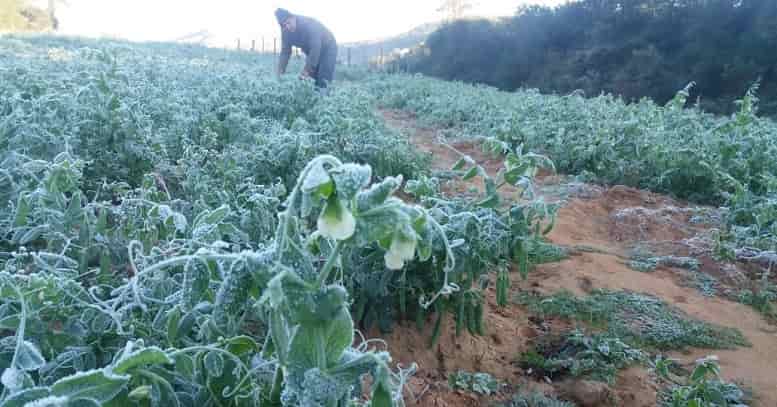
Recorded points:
(282,15)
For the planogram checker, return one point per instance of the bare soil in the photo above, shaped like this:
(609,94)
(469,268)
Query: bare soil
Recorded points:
(605,223)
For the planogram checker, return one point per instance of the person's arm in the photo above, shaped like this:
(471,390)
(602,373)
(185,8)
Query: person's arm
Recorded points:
(283,61)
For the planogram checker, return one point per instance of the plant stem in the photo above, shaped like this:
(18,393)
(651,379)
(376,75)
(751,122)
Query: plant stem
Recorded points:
(330,263)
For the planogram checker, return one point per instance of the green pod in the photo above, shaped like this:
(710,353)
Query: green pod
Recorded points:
(233,295)
(359,309)
(502,287)
(420,316)
(480,328)
(461,315)
(437,329)
(471,318)
(196,281)
(524,264)
(403,295)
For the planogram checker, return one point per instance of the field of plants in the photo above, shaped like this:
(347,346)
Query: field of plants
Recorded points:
(180,228)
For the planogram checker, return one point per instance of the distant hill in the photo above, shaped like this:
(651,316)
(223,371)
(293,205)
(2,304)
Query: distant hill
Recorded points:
(23,16)
(363,51)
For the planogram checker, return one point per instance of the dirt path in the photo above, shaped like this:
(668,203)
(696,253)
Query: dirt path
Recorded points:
(610,221)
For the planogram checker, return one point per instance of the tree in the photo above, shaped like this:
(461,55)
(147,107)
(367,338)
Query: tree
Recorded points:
(11,18)
(454,9)
(17,15)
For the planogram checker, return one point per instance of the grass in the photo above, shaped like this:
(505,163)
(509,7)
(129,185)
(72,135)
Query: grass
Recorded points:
(640,320)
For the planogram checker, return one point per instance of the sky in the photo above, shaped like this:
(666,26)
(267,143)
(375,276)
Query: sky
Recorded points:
(228,20)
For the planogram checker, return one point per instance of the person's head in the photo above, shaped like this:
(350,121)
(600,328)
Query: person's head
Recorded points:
(286,20)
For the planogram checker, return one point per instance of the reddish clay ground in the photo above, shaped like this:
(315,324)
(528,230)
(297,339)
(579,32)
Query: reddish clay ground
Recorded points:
(608,222)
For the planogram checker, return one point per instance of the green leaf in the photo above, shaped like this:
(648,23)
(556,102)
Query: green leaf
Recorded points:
(173,322)
(140,393)
(186,324)
(143,357)
(33,234)
(314,344)
(184,365)
(350,179)
(489,202)
(425,242)
(241,346)
(97,384)
(459,164)
(29,357)
(162,394)
(214,364)
(318,182)
(83,402)
(22,210)
(196,282)
(102,221)
(379,224)
(381,392)
(73,213)
(216,216)
(471,173)
(378,193)
(16,380)
(25,396)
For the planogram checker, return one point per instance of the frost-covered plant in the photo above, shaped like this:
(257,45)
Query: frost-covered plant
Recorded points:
(201,301)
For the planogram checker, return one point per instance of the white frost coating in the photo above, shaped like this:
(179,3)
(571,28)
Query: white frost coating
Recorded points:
(336,222)
(50,401)
(12,378)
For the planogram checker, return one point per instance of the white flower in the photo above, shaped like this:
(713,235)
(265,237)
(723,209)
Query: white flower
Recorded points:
(402,249)
(335,221)
(393,262)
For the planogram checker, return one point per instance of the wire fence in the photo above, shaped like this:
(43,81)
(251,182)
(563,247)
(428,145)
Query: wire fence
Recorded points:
(373,57)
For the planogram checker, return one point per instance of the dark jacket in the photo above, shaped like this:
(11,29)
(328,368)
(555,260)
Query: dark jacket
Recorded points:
(312,37)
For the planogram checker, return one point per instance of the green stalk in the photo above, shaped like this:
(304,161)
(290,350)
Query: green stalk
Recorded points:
(330,263)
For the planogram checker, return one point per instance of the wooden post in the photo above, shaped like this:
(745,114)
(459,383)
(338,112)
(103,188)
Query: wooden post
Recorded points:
(253,45)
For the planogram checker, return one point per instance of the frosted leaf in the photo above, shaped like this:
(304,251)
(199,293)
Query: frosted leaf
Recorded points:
(50,401)
(317,180)
(180,222)
(29,357)
(350,178)
(12,379)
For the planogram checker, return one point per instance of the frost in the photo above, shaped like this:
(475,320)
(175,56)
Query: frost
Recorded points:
(50,401)
(12,379)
